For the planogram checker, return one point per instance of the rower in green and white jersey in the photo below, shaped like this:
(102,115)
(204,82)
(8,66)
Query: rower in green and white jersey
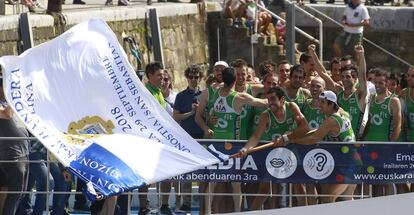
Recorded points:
(277,120)
(336,126)
(407,97)
(246,115)
(270,80)
(227,107)
(351,105)
(279,127)
(385,123)
(385,112)
(228,119)
(206,98)
(296,93)
(380,124)
(350,98)
(311,109)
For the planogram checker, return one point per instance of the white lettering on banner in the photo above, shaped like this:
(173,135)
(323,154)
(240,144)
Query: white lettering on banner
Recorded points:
(235,163)
(402,157)
(397,166)
(92,164)
(216,176)
(101,182)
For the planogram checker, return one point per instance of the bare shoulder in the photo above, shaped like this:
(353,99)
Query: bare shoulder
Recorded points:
(293,107)
(395,101)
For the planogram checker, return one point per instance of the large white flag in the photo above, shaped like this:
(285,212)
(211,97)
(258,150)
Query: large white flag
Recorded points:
(80,97)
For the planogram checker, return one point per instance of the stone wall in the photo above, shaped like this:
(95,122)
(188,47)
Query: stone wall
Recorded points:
(190,35)
(182,28)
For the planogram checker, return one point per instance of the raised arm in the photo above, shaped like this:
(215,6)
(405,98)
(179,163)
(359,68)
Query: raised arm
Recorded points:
(330,83)
(246,99)
(362,73)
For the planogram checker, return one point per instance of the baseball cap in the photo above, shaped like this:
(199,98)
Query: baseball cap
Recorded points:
(329,95)
(221,63)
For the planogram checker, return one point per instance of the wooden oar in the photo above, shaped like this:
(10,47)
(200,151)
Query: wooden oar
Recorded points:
(255,149)
(267,145)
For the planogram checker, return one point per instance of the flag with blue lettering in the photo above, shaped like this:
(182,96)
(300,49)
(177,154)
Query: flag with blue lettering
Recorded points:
(79,95)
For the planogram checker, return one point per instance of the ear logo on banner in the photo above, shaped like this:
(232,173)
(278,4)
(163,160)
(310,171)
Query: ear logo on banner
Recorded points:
(318,164)
(281,163)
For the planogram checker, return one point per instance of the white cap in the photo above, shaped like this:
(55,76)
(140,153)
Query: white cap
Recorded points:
(329,95)
(221,63)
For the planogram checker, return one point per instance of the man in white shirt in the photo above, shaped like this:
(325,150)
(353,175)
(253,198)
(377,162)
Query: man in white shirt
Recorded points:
(354,19)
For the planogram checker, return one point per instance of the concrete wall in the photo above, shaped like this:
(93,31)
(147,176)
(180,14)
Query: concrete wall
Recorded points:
(182,28)
(392,28)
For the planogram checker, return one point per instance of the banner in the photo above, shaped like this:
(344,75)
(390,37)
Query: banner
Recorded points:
(80,97)
(322,163)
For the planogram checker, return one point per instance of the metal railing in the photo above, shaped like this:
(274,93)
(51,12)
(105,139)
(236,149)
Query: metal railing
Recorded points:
(288,194)
(364,38)
(300,31)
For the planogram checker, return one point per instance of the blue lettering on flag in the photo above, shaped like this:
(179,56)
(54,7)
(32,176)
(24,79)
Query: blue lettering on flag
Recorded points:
(109,174)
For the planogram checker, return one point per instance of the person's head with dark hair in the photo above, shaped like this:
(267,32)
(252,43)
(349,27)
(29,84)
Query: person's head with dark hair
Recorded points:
(251,74)
(154,72)
(381,72)
(307,63)
(229,76)
(296,76)
(393,83)
(166,80)
(335,68)
(349,76)
(240,66)
(193,69)
(265,67)
(380,80)
(345,60)
(276,98)
(193,73)
(305,57)
(270,80)
(371,75)
(410,77)
(238,63)
(283,69)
